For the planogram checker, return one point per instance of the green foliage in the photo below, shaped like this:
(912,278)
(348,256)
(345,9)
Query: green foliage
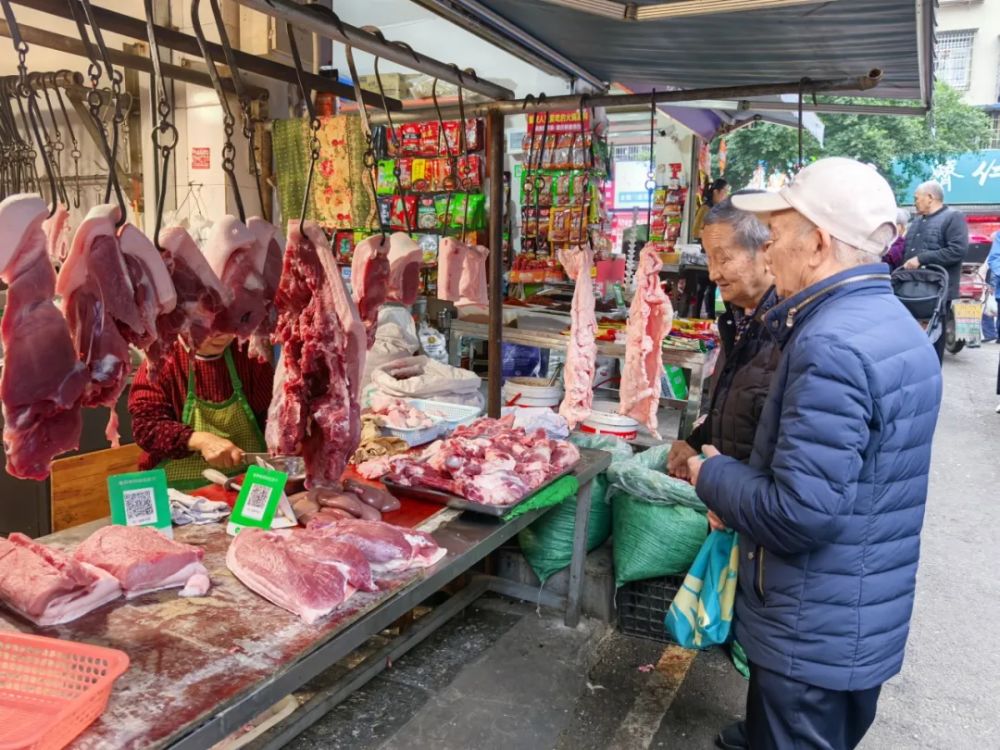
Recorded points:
(911,143)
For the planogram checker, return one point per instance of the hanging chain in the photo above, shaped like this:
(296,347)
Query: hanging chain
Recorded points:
(75,152)
(164,135)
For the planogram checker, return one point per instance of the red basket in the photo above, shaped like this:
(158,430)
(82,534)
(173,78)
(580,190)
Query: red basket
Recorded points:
(51,690)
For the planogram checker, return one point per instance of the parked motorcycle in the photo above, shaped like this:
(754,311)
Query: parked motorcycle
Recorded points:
(963,322)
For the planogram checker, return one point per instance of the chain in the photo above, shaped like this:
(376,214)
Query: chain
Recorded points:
(75,151)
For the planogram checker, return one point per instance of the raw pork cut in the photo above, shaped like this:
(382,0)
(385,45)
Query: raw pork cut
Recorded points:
(200,295)
(315,410)
(388,548)
(472,288)
(47,586)
(581,353)
(143,560)
(370,281)
(99,304)
(451,264)
(307,573)
(57,234)
(234,255)
(405,259)
(649,319)
(42,383)
(267,258)
(490,462)
(397,413)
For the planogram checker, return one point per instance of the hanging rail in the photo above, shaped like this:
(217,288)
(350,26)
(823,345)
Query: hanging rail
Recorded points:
(321,21)
(572,101)
(135,28)
(72,46)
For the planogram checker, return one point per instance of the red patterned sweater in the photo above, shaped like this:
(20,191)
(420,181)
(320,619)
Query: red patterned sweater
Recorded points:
(156,408)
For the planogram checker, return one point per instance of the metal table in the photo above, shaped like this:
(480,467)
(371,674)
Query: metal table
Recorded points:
(695,362)
(201,668)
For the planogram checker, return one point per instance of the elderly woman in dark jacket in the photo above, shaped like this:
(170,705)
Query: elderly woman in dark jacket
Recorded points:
(733,241)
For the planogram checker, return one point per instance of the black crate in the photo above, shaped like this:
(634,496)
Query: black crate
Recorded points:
(642,605)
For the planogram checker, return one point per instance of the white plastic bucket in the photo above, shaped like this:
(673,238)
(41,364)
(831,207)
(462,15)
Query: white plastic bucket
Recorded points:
(527,392)
(604,420)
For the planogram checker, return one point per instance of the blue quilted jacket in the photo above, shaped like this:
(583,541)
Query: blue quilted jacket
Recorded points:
(829,507)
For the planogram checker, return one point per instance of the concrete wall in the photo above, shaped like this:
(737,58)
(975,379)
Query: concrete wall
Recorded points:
(984,16)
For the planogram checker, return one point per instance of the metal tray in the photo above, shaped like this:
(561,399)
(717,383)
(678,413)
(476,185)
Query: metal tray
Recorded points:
(461,503)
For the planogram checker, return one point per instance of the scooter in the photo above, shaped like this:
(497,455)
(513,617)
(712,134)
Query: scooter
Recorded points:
(964,321)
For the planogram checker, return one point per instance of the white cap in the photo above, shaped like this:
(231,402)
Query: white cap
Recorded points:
(848,199)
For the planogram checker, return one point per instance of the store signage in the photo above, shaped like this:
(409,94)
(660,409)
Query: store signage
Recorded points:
(201,157)
(140,499)
(630,180)
(258,499)
(968,179)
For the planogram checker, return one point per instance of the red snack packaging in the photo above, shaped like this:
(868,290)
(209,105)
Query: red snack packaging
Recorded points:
(403,215)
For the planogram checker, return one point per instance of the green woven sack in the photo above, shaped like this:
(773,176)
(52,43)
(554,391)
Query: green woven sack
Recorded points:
(645,475)
(548,543)
(653,538)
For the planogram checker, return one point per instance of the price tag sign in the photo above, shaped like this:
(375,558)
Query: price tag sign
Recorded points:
(258,499)
(140,499)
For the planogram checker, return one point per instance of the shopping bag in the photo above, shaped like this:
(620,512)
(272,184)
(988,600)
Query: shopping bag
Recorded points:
(702,611)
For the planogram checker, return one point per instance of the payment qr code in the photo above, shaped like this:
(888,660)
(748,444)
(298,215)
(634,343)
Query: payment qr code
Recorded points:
(257,500)
(140,506)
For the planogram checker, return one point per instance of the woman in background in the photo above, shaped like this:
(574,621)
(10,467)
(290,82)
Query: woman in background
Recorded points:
(894,255)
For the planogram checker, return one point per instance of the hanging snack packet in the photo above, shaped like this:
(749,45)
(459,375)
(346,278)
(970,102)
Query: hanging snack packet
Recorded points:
(403,215)
(441,204)
(426,213)
(418,174)
(385,210)
(543,184)
(428,244)
(429,144)
(581,193)
(477,211)
(544,224)
(409,139)
(473,134)
(561,189)
(385,180)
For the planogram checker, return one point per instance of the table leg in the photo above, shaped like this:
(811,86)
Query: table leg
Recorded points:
(693,409)
(454,348)
(576,580)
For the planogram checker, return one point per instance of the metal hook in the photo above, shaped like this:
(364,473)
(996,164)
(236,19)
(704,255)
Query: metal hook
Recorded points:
(164,135)
(313,121)
(228,149)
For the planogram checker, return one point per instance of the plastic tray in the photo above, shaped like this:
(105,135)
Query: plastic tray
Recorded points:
(458,502)
(454,414)
(51,690)
(642,606)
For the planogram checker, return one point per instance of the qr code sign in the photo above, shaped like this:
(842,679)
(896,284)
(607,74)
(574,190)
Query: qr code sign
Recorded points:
(257,500)
(140,506)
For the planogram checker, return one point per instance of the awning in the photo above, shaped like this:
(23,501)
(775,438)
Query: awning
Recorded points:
(817,40)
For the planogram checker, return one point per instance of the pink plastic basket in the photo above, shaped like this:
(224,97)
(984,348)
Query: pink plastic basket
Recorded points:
(51,690)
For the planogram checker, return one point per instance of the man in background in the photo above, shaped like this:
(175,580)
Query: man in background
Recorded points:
(939,236)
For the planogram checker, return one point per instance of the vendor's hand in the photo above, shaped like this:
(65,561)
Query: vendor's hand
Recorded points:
(715,522)
(677,460)
(695,462)
(217,451)
(912,264)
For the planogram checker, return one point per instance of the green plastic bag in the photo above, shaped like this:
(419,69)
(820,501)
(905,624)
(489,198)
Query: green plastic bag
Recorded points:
(653,538)
(548,543)
(645,475)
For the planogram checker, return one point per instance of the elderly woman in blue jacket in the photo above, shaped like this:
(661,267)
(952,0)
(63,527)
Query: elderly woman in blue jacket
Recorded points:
(830,506)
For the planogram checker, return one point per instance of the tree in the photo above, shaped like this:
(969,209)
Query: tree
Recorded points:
(901,147)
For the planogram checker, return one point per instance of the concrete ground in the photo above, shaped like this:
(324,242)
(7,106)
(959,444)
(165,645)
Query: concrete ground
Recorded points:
(504,675)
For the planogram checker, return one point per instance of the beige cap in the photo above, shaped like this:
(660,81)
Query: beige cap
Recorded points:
(848,199)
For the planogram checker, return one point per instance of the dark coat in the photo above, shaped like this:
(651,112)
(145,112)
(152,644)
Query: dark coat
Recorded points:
(741,381)
(941,239)
(830,506)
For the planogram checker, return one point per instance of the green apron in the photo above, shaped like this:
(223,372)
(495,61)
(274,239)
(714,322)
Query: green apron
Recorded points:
(232,419)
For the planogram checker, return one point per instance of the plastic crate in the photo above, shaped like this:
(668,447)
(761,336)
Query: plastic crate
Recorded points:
(642,606)
(51,690)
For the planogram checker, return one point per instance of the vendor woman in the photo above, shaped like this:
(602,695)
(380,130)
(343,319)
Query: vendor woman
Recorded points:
(206,409)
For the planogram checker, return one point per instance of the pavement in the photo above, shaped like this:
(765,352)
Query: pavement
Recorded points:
(508,675)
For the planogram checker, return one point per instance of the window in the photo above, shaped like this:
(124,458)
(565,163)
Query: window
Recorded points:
(995,138)
(953,58)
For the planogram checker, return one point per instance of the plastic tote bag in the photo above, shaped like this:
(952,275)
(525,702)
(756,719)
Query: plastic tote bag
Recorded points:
(702,611)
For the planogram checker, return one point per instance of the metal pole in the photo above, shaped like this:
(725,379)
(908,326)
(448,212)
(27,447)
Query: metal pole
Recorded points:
(118,23)
(612,101)
(62,78)
(494,347)
(325,24)
(74,46)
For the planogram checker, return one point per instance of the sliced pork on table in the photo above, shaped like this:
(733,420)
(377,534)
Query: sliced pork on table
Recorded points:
(47,586)
(370,281)
(143,560)
(581,352)
(649,320)
(315,411)
(307,573)
(405,260)
(388,548)
(43,383)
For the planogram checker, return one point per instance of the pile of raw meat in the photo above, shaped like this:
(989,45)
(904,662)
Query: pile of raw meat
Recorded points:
(490,462)
(398,413)
(311,572)
(118,291)
(322,506)
(49,587)
(649,320)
